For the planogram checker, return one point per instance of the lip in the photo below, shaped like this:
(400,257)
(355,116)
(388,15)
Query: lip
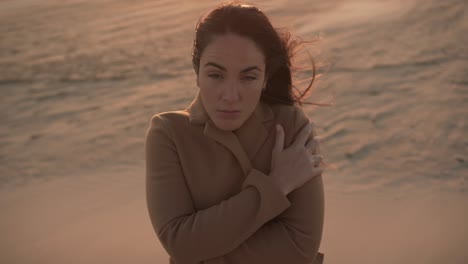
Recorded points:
(228,114)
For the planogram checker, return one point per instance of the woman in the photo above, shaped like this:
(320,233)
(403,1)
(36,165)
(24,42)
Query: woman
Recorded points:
(235,178)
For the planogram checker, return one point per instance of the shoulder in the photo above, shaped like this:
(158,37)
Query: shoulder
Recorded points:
(169,122)
(170,118)
(292,116)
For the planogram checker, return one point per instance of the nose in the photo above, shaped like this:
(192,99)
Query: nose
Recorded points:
(230,92)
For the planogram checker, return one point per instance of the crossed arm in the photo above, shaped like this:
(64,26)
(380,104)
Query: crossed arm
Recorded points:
(269,228)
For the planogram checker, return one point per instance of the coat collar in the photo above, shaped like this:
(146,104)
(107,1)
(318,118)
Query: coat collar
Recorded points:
(243,142)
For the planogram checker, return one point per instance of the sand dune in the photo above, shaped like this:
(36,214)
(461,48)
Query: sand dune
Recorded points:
(79,81)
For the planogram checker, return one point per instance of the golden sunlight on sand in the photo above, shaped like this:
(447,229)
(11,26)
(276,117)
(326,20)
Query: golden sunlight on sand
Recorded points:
(80,80)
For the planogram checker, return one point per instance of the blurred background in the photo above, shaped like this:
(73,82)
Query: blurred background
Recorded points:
(80,80)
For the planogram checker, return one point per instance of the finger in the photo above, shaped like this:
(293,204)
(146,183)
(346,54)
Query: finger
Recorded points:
(279,142)
(312,144)
(316,159)
(303,135)
(317,171)
(316,138)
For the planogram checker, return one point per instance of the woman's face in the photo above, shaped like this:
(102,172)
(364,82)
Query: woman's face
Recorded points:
(231,78)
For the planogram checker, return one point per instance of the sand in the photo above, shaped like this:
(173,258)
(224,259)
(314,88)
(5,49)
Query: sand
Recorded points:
(80,80)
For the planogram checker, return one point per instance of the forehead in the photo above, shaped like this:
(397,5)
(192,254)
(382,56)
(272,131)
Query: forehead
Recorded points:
(233,51)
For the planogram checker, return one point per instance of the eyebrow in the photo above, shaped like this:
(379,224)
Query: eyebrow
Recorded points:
(224,68)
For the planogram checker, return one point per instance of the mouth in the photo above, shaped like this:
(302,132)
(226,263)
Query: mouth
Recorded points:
(229,111)
(228,114)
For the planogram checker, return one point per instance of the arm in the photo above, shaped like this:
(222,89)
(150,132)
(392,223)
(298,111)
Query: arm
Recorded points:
(293,237)
(190,236)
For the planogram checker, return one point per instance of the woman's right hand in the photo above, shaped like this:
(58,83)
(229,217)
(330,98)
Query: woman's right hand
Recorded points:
(294,166)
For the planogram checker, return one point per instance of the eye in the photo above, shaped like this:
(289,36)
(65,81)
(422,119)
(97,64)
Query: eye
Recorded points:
(215,76)
(249,78)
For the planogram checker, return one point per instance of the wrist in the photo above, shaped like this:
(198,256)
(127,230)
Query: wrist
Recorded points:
(279,184)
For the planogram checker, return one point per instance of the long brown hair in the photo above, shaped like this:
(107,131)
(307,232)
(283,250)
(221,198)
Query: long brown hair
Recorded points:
(278,45)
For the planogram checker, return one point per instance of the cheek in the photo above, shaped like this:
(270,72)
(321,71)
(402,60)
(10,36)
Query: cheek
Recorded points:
(207,84)
(251,99)
(208,94)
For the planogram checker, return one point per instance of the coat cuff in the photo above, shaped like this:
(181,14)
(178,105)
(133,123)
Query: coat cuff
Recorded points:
(272,200)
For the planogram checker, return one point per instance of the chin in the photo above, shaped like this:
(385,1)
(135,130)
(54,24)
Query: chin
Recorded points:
(227,125)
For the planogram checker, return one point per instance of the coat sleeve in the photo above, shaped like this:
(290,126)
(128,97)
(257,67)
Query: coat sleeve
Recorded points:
(190,236)
(294,236)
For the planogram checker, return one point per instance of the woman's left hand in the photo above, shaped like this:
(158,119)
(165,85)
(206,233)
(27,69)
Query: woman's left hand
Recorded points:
(313,145)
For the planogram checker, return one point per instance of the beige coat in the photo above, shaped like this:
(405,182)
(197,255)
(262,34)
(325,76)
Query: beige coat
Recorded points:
(209,196)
